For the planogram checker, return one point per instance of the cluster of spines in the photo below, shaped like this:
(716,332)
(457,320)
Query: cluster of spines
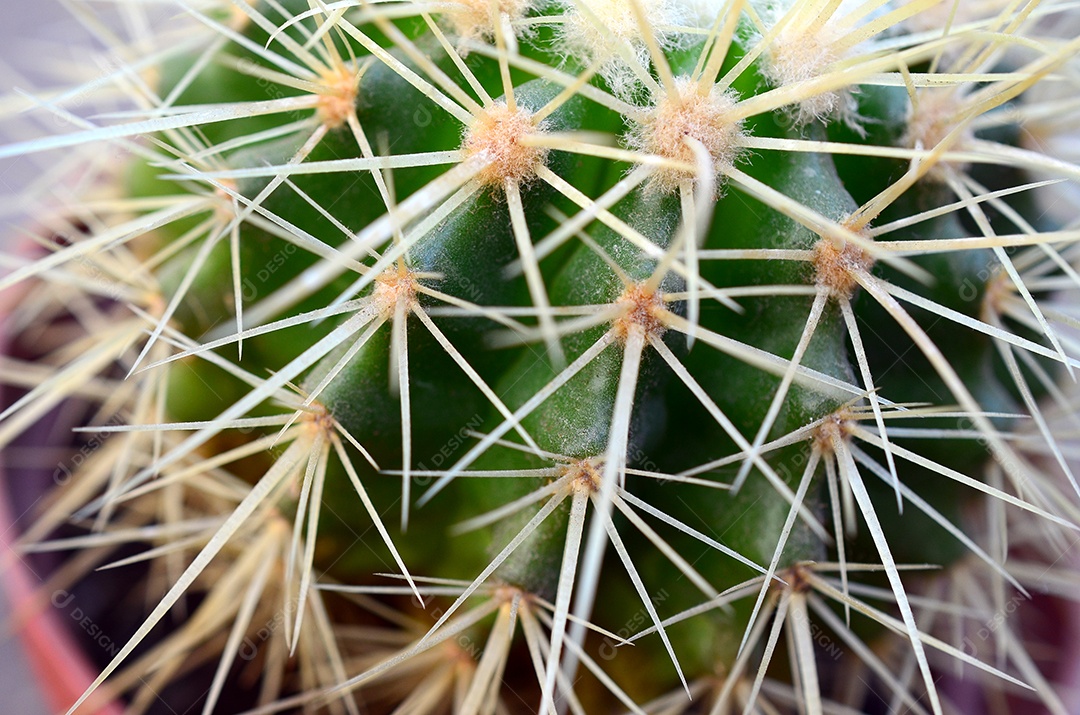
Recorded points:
(640,292)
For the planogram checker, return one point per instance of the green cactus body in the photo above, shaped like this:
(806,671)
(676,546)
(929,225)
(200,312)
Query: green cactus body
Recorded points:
(585,323)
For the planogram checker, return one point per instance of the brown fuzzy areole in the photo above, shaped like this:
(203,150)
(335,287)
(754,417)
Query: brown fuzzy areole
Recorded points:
(833,427)
(497,136)
(642,306)
(585,475)
(934,115)
(393,285)
(690,114)
(339,88)
(834,266)
(798,578)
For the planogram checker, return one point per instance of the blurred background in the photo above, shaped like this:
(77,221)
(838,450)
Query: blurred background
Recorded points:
(36,40)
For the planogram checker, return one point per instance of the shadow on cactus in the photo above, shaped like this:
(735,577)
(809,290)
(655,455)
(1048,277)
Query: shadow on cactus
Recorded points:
(504,357)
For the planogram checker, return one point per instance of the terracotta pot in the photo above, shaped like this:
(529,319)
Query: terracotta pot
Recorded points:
(59,663)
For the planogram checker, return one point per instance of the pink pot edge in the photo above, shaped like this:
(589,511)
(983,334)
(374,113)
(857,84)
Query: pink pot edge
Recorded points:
(62,671)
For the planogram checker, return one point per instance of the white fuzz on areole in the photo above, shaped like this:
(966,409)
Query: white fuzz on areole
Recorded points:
(807,41)
(614,35)
(799,47)
(677,120)
(252,504)
(475,19)
(497,141)
(800,55)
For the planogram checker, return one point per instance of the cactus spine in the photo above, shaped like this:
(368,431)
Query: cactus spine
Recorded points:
(486,357)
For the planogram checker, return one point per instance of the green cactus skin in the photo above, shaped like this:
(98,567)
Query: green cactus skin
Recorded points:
(589,323)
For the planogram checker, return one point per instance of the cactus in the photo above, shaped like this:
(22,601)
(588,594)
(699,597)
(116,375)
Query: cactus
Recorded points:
(491,357)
